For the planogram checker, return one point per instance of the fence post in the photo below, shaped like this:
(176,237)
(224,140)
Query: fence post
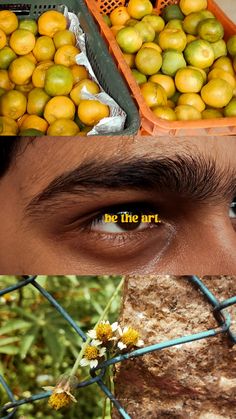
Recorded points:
(195,380)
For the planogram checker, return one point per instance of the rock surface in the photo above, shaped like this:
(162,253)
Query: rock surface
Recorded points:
(195,380)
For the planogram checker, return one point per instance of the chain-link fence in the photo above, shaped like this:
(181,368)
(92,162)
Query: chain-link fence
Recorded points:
(97,374)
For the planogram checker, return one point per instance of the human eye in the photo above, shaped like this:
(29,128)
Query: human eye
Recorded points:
(232,212)
(129,218)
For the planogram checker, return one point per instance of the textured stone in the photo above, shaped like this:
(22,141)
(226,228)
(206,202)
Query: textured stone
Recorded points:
(194,380)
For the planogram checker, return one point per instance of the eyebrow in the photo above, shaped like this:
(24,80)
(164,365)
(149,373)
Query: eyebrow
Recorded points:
(195,177)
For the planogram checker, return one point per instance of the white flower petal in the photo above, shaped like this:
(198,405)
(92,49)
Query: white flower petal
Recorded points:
(93,363)
(126,328)
(71,396)
(119,331)
(102,352)
(48,388)
(121,345)
(84,362)
(140,343)
(92,334)
(96,342)
(114,326)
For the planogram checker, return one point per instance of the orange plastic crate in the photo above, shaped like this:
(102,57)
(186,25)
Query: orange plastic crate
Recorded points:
(150,124)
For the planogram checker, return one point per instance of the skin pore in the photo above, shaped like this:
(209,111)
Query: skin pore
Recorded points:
(57,190)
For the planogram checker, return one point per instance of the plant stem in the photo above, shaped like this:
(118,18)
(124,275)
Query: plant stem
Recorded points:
(87,342)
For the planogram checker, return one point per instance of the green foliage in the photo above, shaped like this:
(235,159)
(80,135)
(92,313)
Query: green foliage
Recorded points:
(37,345)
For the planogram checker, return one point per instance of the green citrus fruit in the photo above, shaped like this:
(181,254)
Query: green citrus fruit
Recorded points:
(7,55)
(29,25)
(146,31)
(58,80)
(164,112)
(199,53)
(148,61)
(210,30)
(187,113)
(155,21)
(217,93)
(172,39)
(139,77)
(230,109)
(129,40)
(172,11)
(231,45)
(172,61)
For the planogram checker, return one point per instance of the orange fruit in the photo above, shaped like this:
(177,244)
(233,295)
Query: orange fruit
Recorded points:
(8,126)
(192,99)
(63,127)
(234,63)
(129,59)
(119,16)
(190,38)
(115,29)
(90,112)
(188,80)
(24,88)
(190,6)
(79,73)
(44,48)
(8,21)
(191,22)
(5,81)
(203,72)
(210,113)
(3,39)
(219,48)
(22,41)
(172,61)
(29,25)
(224,63)
(155,21)
(154,94)
(31,57)
(146,31)
(129,40)
(172,39)
(64,37)
(199,53)
(39,74)
(187,113)
(139,77)
(230,109)
(166,82)
(59,107)
(21,70)
(231,45)
(217,93)
(174,24)
(35,122)
(88,85)
(37,100)
(58,80)
(148,61)
(13,104)
(210,30)
(7,55)
(51,22)
(66,55)
(151,45)
(217,73)
(164,112)
(137,9)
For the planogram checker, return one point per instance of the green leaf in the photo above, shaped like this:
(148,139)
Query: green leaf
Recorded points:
(53,343)
(9,350)
(27,341)
(14,325)
(6,341)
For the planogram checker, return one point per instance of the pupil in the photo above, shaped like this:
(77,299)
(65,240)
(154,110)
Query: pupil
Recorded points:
(129,225)
(233,206)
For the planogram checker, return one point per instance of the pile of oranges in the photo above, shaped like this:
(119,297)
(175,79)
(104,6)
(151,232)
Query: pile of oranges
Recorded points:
(183,65)
(40,82)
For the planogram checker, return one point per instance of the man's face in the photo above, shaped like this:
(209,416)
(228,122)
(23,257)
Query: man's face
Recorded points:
(54,197)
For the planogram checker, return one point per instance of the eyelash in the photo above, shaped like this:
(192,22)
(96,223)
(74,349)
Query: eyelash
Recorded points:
(139,208)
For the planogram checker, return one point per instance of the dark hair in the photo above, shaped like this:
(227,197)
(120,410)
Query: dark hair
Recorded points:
(8,148)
